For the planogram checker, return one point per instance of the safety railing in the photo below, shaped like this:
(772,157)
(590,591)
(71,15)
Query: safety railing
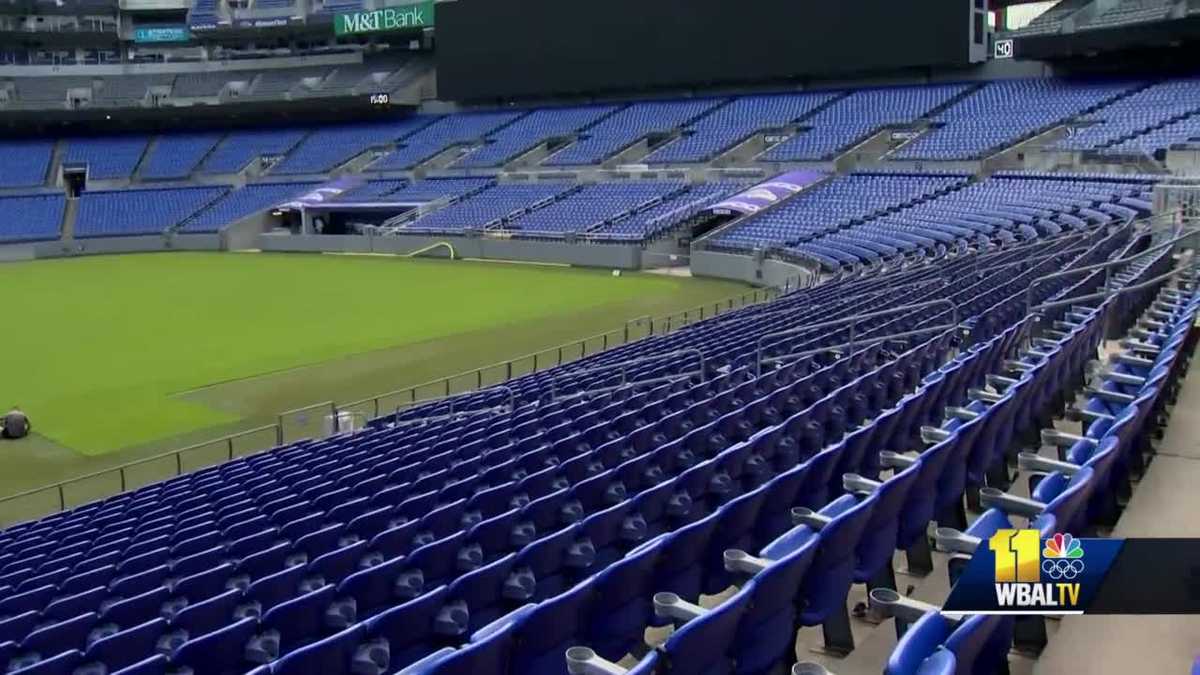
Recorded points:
(852,322)
(1191,267)
(862,343)
(322,419)
(452,413)
(622,367)
(114,480)
(488,376)
(1179,235)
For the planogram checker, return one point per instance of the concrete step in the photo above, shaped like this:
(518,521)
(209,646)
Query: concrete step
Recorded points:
(68,222)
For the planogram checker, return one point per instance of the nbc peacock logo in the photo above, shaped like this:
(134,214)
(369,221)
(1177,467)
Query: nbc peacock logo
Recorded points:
(1062,558)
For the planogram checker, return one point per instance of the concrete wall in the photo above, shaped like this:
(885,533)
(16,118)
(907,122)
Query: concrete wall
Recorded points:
(140,244)
(612,256)
(15,252)
(747,268)
(181,67)
(244,234)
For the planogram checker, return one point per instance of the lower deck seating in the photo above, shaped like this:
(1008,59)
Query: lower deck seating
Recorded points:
(871,219)
(127,212)
(592,207)
(238,204)
(31,217)
(550,517)
(488,207)
(663,215)
(26,163)
(106,157)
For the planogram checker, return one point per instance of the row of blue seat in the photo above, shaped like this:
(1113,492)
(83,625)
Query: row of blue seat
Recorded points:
(273,545)
(490,647)
(801,578)
(1079,490)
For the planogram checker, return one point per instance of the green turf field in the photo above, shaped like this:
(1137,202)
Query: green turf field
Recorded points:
(122,356)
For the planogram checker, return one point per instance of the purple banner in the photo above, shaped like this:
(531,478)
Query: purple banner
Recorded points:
(767,193)
(324,193)
(367,206)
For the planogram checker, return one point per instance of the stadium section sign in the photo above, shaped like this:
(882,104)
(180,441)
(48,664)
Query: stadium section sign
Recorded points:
(162,34)
(404,17)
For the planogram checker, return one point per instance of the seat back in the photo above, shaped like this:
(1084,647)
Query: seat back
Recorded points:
(128,646)
(622,606)
(409,629)
(880,535)
(922,639)
(980,643)
(332,656)
(221,651)
(705,644)
(767,631)
(542,635)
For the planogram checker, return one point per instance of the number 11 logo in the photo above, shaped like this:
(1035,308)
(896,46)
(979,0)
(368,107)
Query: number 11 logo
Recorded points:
(1018,556)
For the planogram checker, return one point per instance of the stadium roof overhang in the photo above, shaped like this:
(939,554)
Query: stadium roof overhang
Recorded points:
(1087,43)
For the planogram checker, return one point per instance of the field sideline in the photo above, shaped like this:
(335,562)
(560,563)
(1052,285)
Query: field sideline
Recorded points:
(122,356)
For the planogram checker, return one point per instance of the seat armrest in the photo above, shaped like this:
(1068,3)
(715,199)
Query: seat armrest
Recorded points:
(1114,396)
(955,541)
(1155,324)
(584,661)
(884,602)
(1139,346)
(806,516)
(1081,415)
(1121,378)
(984,396)
(853,482)
(991,498)
(1017,366)
(1028,461)
(934,434)
(999,382)
(1061,439)
(1131,360)
(737,560)
(894,460)
(671,606)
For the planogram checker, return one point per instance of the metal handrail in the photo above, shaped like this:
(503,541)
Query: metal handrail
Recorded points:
(1192,266)
(852,320)
(625,364)
(863,344)
(500,388)
(1180,234)
(398,423)
(120,470)
(512,404)
(626,385)
(333,409)
(444,382)
(860,299)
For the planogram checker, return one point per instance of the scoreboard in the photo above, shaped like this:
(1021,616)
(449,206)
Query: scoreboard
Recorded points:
(534,48)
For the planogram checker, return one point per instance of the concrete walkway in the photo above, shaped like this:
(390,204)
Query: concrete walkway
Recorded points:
(1165,504)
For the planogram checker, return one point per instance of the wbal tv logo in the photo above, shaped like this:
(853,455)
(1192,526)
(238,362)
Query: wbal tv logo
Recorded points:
(1030,576)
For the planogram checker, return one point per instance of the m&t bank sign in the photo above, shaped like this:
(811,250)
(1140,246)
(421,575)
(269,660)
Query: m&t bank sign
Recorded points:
(404,17)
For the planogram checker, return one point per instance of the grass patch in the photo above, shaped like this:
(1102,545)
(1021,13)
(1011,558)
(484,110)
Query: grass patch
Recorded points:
(119,356)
